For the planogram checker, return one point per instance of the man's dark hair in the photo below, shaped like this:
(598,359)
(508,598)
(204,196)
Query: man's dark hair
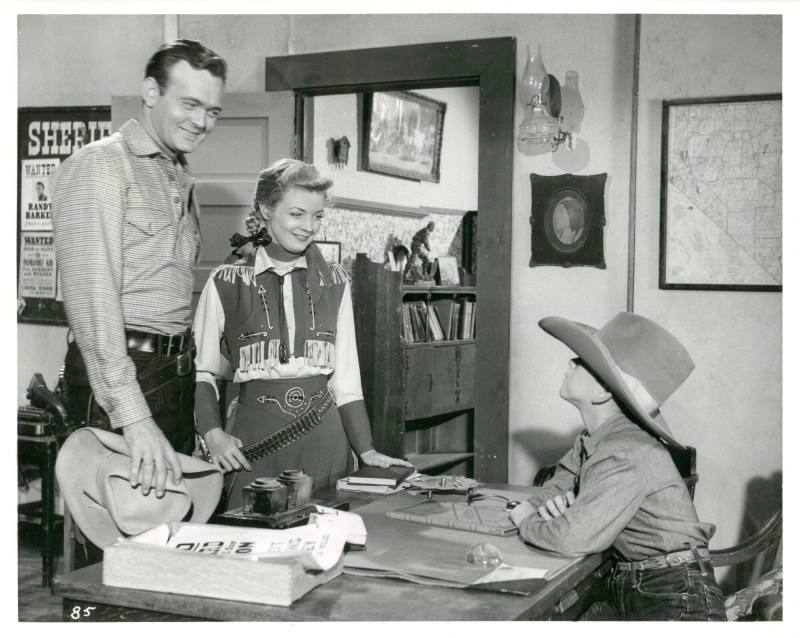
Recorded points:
(197,55)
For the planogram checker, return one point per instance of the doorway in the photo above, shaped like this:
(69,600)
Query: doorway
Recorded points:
(489,64)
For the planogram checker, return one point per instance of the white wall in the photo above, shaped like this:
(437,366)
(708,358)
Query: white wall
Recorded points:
(730,409)
(336,116)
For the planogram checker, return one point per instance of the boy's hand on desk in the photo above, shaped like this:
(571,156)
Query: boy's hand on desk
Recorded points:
(555,507)
(521,512)
(372,457)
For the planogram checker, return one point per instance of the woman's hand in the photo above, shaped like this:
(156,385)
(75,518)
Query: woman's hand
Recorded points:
(224,451)
(372,457)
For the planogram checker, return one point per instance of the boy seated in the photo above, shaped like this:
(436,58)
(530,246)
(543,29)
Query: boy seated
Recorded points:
(618,486)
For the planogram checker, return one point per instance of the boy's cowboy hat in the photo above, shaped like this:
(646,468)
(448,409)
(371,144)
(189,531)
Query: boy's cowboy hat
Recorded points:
(92,470)
(641,363)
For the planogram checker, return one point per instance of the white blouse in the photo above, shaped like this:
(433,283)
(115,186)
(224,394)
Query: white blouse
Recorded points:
(209,326)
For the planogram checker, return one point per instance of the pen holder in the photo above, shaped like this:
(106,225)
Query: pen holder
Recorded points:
(298,487)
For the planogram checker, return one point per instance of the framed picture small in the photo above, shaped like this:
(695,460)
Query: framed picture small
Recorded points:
(448,271)
(402,135)
(331,251)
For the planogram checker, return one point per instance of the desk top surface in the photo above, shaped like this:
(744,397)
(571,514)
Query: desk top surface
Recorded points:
(346,597)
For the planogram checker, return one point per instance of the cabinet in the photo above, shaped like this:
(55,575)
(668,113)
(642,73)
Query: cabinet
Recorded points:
(420,393)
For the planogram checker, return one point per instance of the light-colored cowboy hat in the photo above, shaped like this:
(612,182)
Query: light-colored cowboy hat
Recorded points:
(641,363)
(92,469)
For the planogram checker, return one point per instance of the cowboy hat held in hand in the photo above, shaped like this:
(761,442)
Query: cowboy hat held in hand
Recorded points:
(639,361)
(93,468)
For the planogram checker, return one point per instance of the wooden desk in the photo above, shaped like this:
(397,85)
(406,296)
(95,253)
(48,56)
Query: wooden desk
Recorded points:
(347,597)
(42,450)
(344,598)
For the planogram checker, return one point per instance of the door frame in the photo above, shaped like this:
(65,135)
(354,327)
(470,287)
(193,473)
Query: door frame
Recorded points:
(489,64)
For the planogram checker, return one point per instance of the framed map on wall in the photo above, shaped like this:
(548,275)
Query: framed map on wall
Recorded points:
(721,194)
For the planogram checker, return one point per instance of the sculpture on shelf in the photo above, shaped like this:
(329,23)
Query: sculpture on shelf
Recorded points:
(419,266)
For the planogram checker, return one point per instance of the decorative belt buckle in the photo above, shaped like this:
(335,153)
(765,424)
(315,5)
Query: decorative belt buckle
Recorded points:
(184,363)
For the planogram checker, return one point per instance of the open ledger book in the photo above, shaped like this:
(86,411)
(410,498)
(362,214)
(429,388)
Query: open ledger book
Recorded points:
(484,517)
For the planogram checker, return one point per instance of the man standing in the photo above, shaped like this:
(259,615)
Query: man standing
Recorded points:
(126,238)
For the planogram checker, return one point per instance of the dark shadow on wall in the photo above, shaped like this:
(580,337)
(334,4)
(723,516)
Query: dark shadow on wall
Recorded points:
(762,497)
(545,447)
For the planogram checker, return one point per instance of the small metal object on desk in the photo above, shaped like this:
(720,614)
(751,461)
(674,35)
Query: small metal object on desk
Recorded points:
(472,497)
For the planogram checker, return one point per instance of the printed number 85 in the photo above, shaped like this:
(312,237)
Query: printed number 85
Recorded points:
(76,612)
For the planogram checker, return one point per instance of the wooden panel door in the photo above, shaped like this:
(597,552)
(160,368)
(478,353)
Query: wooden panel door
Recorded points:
(254,130)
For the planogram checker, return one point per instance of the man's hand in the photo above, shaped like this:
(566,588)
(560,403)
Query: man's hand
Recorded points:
(372,457)
(555,507)
(151,457)
(223,448)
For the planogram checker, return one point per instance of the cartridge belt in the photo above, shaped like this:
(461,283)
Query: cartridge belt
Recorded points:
(291,432)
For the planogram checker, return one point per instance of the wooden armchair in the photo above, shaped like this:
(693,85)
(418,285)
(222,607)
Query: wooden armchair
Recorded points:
(762,600)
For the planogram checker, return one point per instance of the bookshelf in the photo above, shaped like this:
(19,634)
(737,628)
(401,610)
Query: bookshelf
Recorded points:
(419,382)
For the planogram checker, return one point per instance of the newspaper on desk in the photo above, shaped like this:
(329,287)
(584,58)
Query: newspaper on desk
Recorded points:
(317,545)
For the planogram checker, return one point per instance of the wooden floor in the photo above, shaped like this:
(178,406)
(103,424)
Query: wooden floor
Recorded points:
(36,603)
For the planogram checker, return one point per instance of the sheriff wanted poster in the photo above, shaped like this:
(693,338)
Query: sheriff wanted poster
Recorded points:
(46,136)
(37,266)
(35,193)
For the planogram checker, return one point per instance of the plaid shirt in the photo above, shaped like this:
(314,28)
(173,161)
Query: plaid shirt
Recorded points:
(631,497)
(126,239)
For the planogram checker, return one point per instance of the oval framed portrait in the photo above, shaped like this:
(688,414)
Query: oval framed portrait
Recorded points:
(567,220)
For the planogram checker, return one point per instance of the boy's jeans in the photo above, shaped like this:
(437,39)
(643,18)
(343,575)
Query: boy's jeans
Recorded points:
(683,592)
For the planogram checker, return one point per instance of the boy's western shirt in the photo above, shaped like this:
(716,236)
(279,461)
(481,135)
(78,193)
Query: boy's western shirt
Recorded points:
(631,497)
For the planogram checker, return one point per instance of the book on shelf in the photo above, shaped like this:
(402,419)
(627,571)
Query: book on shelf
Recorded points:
(434,325)
(418,320)
(408,331)
(466,325)
(481,518)
(438,320)
(372,475)
(443,309)
(454,320)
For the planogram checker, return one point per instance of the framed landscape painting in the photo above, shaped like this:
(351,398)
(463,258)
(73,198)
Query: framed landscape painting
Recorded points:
(401,135)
